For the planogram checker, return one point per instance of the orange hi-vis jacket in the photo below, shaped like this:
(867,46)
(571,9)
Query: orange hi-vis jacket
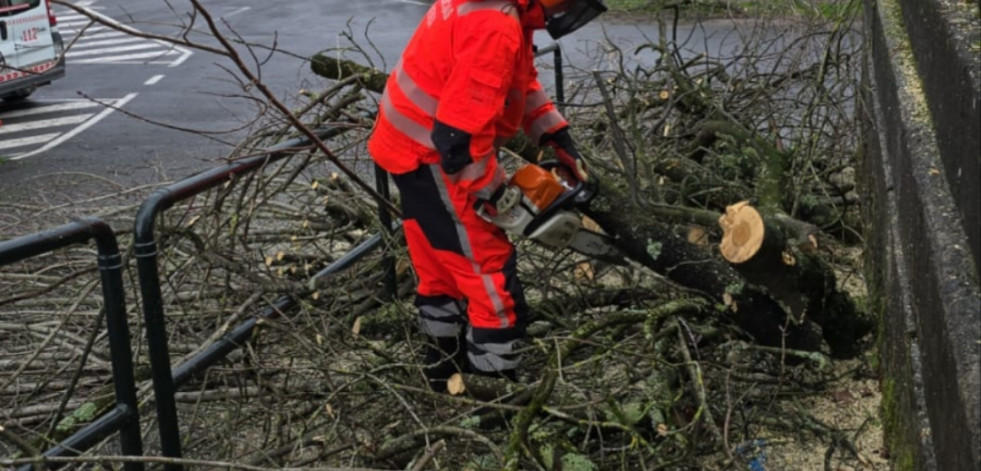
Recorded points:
(469,65)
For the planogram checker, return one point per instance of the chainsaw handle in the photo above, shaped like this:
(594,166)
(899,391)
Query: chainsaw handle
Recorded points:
(582,191)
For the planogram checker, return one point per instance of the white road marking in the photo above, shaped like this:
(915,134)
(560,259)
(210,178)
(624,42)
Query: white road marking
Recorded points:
(74,132)
(169,50)
(240,10)
(43,123)
(180,60)
(413,2)
(72,105)
(110,50)
(153,80)
(25,141)
(107,34)
(128,57)
(74,24)
(71,32)
(107,42)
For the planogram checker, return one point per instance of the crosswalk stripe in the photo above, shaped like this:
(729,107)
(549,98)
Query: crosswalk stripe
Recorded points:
(71,32)
(111,50)
(44,123)
(74,24)
(73,105)
(108,42)
(26,141)
(128,57)
(56,139)
(87,37)
(90,43)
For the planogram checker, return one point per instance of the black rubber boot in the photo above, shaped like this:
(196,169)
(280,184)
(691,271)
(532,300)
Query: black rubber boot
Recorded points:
(445,357)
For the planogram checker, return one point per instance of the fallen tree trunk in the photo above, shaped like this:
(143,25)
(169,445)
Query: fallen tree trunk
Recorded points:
(770,251)
(666,249)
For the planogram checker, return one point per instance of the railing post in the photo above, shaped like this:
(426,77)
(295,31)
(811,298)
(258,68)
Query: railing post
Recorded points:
(388,262)
(559,79)
(556,51)
(120,350)
(145,250)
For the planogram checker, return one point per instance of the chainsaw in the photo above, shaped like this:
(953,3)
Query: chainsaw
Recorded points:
(542,206)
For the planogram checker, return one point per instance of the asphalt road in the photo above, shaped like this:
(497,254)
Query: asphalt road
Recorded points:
(157,90)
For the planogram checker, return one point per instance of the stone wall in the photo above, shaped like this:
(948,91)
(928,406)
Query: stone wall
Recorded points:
(921,182)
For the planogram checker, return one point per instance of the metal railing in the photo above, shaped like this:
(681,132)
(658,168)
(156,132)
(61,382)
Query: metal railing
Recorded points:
(165,382)
(125,416)
(556,50)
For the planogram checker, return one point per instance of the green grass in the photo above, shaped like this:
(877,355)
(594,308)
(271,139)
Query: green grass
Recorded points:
(829,9)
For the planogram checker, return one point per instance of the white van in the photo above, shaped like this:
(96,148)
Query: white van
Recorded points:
(31,49)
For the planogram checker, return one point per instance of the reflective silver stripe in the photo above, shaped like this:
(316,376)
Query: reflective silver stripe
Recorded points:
(477,170)
(439,329)
(506,348)
(495,356)
(500,5)
(490,363)
(472,171)
(419,98)
(461,233)
(448,310)
(486,191)
(535,100)
(494,297)
(543,123)
(412,129)
(447,7)
(414,92)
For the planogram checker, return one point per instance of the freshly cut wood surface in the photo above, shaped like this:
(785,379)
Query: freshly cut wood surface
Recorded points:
(743,232)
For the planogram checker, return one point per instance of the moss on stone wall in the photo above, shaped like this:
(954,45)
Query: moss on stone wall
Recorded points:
(901,455)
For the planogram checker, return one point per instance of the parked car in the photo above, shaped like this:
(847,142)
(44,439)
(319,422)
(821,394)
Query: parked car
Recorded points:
(31,49)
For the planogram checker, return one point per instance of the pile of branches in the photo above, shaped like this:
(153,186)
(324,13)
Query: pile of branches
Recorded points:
(682,360)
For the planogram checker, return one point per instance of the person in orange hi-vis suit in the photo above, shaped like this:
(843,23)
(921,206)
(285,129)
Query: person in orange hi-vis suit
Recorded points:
(464,85)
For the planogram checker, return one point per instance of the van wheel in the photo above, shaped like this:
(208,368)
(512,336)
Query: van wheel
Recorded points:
(19,95)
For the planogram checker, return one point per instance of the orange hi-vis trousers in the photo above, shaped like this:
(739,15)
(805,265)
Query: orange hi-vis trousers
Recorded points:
(466,268)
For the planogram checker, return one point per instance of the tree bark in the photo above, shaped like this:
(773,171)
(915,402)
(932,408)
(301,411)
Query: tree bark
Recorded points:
(484,388)
(667,250)
(779,254)
(339,69)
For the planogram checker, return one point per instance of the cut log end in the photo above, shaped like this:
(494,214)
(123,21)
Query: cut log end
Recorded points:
(743,232)
(455,385)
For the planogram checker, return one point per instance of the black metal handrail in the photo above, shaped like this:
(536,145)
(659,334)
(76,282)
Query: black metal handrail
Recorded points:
(145,249)
(125,416)
(556,51)
(237,336)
